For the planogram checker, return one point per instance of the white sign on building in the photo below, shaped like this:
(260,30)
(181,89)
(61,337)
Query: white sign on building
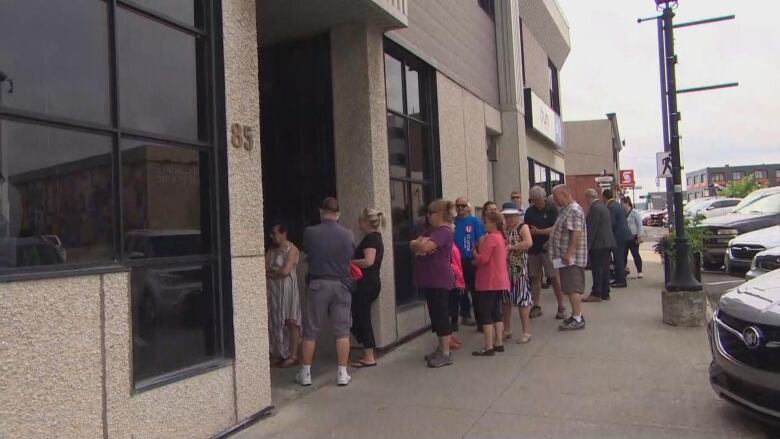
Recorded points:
(543,119)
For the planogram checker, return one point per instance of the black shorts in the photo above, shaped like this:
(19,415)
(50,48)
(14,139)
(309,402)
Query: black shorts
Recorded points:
(487,307)
(439,310)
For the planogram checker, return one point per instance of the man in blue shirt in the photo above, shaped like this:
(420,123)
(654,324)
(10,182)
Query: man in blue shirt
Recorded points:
(468,230)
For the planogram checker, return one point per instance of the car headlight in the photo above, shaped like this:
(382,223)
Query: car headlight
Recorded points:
(727,232)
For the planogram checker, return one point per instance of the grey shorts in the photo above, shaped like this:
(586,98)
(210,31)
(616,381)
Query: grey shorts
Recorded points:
(327,300)
(572,279)
(536,262)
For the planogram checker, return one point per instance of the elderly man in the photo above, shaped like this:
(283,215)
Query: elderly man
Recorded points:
(540,217)
(601,242)
(569,248)
(622,234)
(468,230)
(329,249)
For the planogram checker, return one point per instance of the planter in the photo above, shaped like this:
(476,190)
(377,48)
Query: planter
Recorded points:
(695,267)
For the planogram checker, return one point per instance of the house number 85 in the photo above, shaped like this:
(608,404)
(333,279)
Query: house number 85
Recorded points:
(241,135)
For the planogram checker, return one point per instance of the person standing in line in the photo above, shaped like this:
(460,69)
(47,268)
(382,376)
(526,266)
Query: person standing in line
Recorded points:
(518,241)
(329,248)
(455,295)
(569,248)
(468,230)
(488,207)
(540,217)
(433,275)
(601,242)
(492,282)
(517,200)
(622,236)
(284,298)
(368,257)
(634,220)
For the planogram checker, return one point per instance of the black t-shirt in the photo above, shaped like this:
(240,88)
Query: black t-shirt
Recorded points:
(542,219)
(371,240)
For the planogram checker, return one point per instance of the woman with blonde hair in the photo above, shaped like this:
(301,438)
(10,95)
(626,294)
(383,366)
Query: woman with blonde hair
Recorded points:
(368,256)
(433,275)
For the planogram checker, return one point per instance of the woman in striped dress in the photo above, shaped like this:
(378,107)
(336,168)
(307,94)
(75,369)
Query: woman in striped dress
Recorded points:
(518,237)
(284,299)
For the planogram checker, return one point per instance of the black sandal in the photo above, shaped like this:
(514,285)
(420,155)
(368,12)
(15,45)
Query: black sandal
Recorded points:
(360,364)
(484,353)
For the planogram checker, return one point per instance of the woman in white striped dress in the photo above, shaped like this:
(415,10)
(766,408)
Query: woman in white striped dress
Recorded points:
(284,299)
(518,237)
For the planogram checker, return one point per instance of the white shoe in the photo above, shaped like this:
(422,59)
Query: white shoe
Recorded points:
(303,378)
(343,380)
(639,276)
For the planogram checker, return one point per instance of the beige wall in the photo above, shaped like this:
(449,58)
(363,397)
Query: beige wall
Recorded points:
(588,147)
(65,358)
(464,122)
(543,152)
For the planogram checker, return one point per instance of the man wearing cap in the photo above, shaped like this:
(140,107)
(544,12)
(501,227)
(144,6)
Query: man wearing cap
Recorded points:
(329,248)
(468,230)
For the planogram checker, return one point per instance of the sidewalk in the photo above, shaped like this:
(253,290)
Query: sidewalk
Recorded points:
(626,375)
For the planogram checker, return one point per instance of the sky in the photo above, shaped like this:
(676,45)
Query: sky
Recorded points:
(613,67)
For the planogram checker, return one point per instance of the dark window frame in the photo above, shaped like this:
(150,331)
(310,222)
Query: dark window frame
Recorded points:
(555,90)
(549,183)
(207,30)
(428,104)
(522,54)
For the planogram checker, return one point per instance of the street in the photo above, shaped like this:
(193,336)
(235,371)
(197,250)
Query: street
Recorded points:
(626,375)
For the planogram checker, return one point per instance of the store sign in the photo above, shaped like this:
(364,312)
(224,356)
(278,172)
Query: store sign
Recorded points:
(627,178)
(543,119)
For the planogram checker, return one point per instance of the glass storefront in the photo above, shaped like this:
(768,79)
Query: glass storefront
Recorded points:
(109,159)
(413,155)
(544,176)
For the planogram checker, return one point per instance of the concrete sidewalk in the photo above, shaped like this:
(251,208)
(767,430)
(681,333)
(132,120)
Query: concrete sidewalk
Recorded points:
(626,375)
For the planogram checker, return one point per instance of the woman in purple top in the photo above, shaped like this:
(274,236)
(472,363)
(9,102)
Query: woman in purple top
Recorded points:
(433,275)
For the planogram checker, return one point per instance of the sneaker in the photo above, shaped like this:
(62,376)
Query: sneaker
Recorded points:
(536,311)
(440,360)
(572,325)
(342,380)
(433,354)
(567,320)
(561,314)
(303,378)
(640,275)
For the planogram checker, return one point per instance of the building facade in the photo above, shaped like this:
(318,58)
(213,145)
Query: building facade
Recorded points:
(592,151)
(148,145)
(705,182)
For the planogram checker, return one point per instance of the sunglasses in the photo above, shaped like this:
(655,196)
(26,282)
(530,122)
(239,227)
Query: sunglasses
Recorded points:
(461,206)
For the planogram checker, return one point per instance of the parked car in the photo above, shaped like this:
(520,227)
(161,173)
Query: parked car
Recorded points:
(743,248)
(710,207)
(744,337)
(759,210)
(28,252)
(764,262)
(654,218)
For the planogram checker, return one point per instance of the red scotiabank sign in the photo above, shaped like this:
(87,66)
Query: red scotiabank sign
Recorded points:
(627,178)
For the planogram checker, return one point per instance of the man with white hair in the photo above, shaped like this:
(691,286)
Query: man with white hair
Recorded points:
(540,217)
(569,248)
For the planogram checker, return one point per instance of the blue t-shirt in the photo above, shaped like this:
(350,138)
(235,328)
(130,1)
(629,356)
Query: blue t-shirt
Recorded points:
(468,230)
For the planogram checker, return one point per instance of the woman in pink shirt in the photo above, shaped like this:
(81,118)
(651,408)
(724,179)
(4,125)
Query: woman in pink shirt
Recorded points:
(459,290)
(492,281)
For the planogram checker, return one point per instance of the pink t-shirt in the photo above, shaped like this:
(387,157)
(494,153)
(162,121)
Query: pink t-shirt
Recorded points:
(457,268)
(490,262)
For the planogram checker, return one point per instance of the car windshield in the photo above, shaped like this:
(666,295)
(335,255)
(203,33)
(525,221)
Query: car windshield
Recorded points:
(768,203)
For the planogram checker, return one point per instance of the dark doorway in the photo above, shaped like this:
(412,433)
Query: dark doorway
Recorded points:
(296,106)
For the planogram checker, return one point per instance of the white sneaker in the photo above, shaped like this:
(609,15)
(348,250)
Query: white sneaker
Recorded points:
(639,276)
(303,378)
(343,380)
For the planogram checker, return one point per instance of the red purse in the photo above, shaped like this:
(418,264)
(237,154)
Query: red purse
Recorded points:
(355,272)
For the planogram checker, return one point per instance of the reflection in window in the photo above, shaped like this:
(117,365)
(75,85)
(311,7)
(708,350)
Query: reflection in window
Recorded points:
(164,198)
(181,10)
(173,319)
(413,100)
(394,84)
(56,52)
(159,86)
(396,142)
(55,192)
(420,152)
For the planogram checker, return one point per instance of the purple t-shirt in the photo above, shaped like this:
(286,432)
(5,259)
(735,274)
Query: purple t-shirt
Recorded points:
(433,270)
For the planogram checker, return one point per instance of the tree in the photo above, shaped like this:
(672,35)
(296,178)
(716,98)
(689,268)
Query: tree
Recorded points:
(739,188)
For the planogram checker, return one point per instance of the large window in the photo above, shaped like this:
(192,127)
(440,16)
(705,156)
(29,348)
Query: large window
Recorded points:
(413,155)
(760,175)
(544,176)
(736,175)
(109,160)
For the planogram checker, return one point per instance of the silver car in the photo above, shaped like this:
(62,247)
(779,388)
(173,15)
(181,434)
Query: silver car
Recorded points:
(764,262)
(744,337)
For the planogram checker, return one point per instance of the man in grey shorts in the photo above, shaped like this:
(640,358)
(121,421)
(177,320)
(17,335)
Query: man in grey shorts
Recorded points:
(569,247)
(329,248)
